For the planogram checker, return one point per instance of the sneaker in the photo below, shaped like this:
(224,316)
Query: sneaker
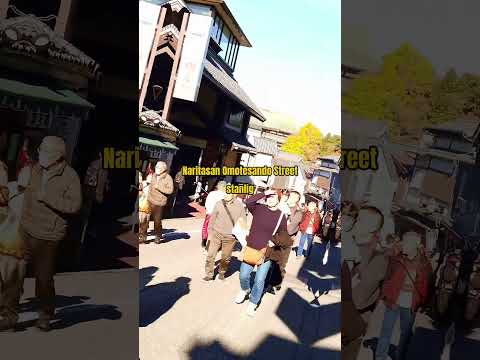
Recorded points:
(241,296)
(251,309)
(221,277)
(207,278)
(158,240)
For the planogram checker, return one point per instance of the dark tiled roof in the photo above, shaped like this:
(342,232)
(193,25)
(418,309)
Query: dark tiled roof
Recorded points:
(21,34)
(215,73)
(152,119)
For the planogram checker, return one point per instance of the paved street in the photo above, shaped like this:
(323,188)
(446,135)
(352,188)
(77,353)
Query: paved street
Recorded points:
(182,317)
(427,342)
(97,317)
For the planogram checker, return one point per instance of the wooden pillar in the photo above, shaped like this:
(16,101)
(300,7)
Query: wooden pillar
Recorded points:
(151,59)
(4,9)
(63,17)
(176,62)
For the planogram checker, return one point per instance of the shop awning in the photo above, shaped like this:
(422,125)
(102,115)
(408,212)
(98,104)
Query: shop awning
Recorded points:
(42,93)
(157,143)
(227,84)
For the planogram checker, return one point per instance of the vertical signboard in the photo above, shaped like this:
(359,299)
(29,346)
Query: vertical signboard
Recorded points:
(194,51)
(148,20)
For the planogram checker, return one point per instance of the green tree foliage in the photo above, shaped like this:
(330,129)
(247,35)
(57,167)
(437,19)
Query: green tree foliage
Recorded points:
(408,94)
(310,143)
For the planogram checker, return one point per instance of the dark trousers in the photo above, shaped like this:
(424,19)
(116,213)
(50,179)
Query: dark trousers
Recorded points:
(12,273)
(157,213)
(41,257)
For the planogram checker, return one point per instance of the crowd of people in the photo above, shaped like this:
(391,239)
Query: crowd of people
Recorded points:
(380,267)
(265,225)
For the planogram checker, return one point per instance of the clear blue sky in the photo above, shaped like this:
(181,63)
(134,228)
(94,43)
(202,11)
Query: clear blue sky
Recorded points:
(294,64)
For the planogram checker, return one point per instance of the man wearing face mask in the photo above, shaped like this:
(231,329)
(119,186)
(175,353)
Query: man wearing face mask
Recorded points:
(405,289)
(161,185)
(53,196)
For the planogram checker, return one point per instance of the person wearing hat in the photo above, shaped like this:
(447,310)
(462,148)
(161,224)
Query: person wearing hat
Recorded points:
(160,187)
(53,195)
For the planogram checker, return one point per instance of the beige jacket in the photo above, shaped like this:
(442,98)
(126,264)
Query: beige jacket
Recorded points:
(46,207)
(160,187)
(220,221)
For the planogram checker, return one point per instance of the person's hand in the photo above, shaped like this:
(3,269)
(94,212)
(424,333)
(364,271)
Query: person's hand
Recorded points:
(270,192)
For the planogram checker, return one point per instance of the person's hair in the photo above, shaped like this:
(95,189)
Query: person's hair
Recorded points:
(373,209)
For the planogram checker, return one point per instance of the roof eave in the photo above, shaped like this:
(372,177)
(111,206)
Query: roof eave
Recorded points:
(222,8)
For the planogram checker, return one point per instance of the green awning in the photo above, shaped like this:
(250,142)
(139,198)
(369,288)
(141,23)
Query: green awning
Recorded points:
(158,143)
(42,93)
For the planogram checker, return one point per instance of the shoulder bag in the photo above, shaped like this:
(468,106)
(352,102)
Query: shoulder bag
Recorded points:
(256,257)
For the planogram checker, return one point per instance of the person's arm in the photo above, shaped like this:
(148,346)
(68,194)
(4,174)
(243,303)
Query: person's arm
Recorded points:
(251,202)
(213,217)
(295,221)
(70,202)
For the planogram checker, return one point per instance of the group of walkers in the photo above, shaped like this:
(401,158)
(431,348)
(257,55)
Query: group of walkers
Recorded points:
(378,266)
(265,224)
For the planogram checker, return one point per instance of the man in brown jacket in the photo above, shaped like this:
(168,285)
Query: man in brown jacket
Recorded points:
(54,194)
(223,218)
(161,185)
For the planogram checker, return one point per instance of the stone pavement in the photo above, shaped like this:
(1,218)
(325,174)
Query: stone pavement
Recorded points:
(97,318)
(182,317)
(427,341)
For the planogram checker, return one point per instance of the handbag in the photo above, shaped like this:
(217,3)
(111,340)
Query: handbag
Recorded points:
(253,256)
(143,204)
(239,230)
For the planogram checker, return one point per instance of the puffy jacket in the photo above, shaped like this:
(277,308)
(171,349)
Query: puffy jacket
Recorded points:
(395,278)
(306,220)
(45,217)
(160,187)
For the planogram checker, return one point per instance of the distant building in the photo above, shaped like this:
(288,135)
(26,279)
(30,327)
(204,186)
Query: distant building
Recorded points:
(188,79)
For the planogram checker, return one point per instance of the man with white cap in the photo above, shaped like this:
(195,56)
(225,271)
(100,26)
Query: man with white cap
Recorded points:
(53,195)
(161,186)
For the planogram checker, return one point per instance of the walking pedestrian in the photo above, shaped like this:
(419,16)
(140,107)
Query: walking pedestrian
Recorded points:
(54,194)
(211,201)
(267,219)
(160,187)
(12,254)
(94,185)
(308,227)
(405,289)
(223,218)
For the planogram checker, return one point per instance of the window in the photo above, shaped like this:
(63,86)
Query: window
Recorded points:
(442,143)
(322,173)
(422,162)
(236,117)
(224,41)
(442,165)
(460,146)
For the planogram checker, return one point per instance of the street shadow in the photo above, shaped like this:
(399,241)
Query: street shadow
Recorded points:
(233,267)
(273,347)
(146,275)
(61,301)
(71,311)
(74,315)
(156,300)
(463,348)
(175,236)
